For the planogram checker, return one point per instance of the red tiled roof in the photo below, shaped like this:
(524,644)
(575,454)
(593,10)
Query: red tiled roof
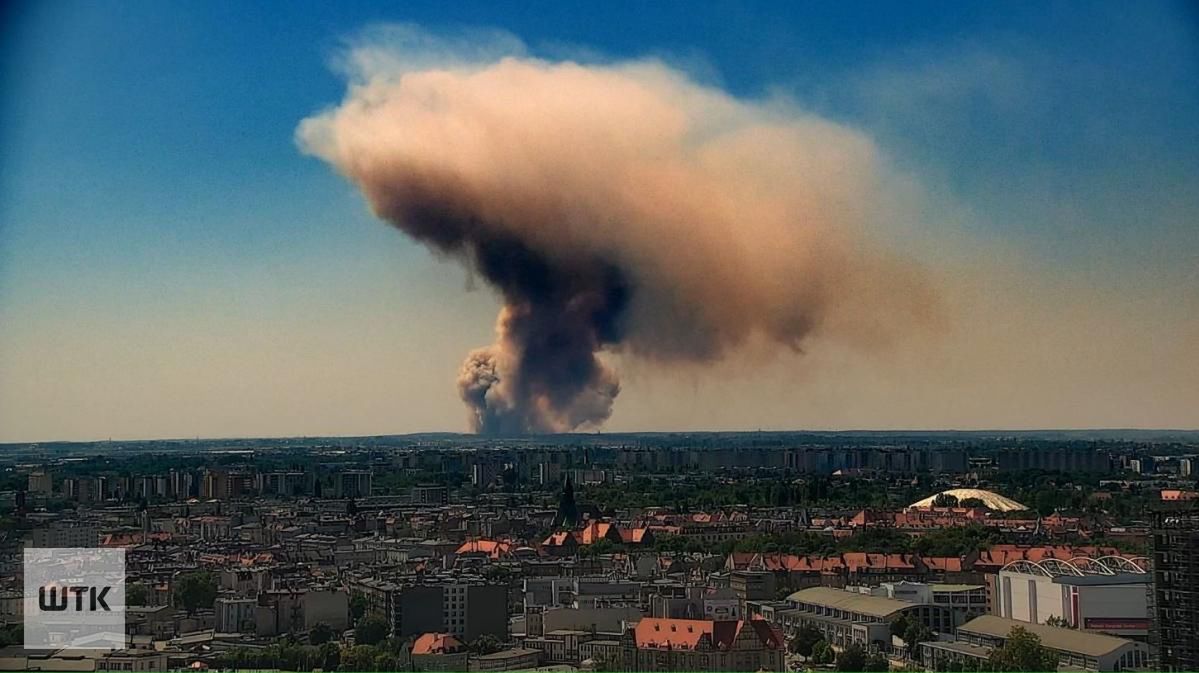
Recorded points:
(635,535)
(594,532)
(559,539)
(942,563)
(688,634)
(675,634)
(436,643)
(770,635)
(492,548)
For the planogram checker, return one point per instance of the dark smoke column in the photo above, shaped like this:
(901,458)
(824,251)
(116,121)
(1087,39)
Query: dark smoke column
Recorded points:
(560,309)
(542,374)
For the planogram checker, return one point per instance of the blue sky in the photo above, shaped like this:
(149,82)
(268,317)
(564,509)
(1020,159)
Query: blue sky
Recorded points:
(172,265)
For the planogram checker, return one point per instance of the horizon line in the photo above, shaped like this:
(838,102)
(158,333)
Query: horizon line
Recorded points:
(598,433)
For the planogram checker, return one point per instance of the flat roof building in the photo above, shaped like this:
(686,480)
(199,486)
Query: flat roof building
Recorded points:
(847,618)
(1076,650)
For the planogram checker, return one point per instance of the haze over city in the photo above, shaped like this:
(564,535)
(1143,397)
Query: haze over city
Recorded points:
(220,220)
(573,337)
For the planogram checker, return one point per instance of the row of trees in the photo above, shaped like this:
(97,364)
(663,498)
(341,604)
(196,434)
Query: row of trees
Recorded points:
(809,643)
(286,656)
(1021,651)
(705,492)
(1044,491)
(954,541)
(373,650)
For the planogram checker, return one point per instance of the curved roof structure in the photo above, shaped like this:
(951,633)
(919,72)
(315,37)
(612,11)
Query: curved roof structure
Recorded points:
(1080,566)
(990,500)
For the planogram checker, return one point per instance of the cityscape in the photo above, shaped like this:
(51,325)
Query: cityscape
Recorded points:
(590,337)
(626,552)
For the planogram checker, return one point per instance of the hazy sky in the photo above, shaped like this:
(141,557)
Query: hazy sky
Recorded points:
(172,265)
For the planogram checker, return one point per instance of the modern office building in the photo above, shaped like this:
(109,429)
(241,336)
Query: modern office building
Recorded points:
(293,483)
(1176,590)
(1084,459)
(430,495)
(65,534)
(465,610)
(41,482)
(352,484)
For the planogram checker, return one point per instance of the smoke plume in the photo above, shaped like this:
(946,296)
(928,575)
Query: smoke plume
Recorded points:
(618,208)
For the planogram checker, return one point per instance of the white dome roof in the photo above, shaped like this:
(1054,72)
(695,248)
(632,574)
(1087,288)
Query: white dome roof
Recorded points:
(990,500)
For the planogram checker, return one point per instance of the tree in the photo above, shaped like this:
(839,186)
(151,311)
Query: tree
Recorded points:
(485,644)
(972,503)
(803,640)
(386,661)
(599,548)
(137,594)
(195,590)
(357,606)
(876,662)
(915,634)
(822,653)
(320,634)
(877,540)
(359,658)
(371,629)
(851,658)
(1023,651)
(945,500)
(330,655)
(12,634)
(955,540)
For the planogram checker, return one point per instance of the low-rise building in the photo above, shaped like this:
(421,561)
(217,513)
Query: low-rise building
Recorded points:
(518,659)
(1076,650)
(235,615)
(439,652)
(133,660)
(65,534)
(656,644)
(848,618)
(966,601)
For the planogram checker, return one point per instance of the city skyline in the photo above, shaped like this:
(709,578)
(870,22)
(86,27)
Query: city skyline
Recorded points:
(173,263)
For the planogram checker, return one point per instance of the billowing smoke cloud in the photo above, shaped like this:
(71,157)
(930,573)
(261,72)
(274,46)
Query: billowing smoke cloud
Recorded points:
(617,208)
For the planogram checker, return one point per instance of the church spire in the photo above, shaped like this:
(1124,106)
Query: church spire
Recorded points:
(568,511)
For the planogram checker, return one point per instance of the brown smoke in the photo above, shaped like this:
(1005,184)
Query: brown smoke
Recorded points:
(620,208)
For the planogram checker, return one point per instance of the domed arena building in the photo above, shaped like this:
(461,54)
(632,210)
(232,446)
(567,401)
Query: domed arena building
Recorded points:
(990,500)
